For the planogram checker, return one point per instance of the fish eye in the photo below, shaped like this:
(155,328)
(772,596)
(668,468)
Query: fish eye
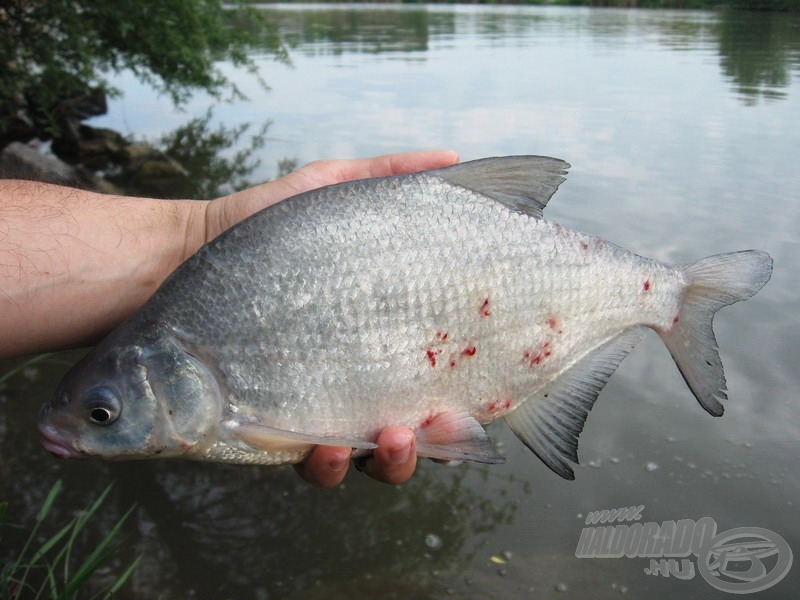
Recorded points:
(102,406)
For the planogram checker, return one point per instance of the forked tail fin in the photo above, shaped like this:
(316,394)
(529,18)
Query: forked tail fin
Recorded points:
(714,282)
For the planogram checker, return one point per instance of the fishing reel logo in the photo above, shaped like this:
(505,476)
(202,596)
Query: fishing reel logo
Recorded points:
(739,561)
(735,560)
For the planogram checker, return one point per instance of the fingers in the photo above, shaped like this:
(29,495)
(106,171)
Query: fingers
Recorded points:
(225,212)
(392,164)
(325,467)
(395,458)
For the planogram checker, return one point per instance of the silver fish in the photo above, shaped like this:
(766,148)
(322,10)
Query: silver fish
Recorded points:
(440,300)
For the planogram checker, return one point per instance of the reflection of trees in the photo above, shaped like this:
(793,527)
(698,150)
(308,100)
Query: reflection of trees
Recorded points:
(364,31)
(757,52)
(197,161)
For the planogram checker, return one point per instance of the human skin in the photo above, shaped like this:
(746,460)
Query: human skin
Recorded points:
(74,264)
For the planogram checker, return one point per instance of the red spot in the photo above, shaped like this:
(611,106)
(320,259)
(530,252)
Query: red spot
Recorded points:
(427,422)
(536,358)
(560,331)
(676,319)
(584,245)
(499,404)
(647,285)
(452,364)
(552,322)
(484,310)
(442,335)
(469,351)
(431,357)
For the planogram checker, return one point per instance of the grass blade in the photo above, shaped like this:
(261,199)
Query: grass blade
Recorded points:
(98,556)
(32,361)
(36,577)
(46,506)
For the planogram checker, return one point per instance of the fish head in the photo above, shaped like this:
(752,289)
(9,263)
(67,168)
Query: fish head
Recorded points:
(146,399)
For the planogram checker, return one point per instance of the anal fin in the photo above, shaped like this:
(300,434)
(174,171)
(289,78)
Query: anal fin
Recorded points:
(551,422)
(270,439)
(456,437)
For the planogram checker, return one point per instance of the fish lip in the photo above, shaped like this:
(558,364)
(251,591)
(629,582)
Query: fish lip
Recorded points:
(52,441)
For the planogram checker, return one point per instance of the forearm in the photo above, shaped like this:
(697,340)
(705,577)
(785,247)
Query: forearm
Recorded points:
(73,264)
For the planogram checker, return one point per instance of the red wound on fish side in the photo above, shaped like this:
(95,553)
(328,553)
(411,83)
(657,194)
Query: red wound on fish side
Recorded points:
(552,322)
(431,357)
(442,335)
(647,285)
(584,245)
(469,351)
(484,310)
(531,358)
(499,404)
(535,357)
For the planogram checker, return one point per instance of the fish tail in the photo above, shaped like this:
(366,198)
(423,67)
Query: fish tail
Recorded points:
(713,282)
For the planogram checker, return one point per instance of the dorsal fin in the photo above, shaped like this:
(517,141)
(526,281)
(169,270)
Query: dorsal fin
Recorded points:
(523,183)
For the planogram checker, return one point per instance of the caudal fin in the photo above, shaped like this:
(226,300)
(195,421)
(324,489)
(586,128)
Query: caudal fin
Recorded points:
(714,282)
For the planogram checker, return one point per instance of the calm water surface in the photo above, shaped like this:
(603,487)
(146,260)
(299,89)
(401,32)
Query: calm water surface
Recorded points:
(683,129)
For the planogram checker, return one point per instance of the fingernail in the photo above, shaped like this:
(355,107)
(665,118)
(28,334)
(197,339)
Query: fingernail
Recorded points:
(398,456)
(336,466)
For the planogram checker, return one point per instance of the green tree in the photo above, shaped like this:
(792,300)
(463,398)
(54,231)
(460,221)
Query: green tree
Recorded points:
(54,50)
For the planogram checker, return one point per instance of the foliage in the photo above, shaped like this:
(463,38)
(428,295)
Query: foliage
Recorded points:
(49,571)
(52,50)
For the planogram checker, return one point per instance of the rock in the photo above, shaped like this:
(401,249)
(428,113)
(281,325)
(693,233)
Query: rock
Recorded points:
(24,161)
(95,148)
(149,170)
(16,128)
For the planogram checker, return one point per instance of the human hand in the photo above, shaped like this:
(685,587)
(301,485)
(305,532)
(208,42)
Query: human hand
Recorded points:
(393,461)
(223,213)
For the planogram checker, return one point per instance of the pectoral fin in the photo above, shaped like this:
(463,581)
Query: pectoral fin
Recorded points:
(270,439)
(550,423)
(456,437)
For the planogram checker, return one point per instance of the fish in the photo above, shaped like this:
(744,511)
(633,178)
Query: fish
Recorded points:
(440,300)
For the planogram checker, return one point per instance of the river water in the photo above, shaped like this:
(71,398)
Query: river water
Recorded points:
(683,129)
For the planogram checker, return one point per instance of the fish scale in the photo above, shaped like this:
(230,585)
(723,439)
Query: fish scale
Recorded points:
(440,300)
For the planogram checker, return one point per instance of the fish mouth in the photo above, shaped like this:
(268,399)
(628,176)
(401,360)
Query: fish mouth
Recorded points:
(52,441)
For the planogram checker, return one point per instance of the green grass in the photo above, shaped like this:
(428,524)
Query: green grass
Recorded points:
(50,569)
(32,361)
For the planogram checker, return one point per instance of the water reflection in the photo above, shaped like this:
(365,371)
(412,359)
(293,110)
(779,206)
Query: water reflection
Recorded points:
(370,30)
(759,54)
(757,51)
